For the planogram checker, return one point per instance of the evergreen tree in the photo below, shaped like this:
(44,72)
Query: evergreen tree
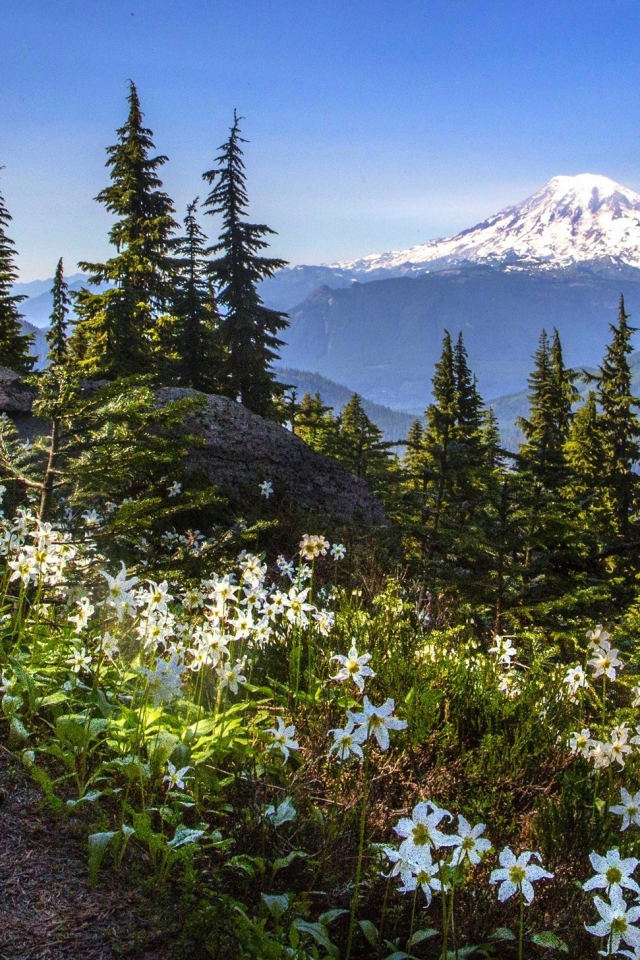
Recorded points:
(197,344)
(316,424)
(249,330)
(551,396)
(57,333)
(115,330)
(439,435)
(14,344)
(619,423)
(360,445)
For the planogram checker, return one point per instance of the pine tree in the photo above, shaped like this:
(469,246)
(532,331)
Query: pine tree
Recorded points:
(619,423)
(249,330)
(197,342)
(115,330)
(439,435)
(14,344)
(57,333)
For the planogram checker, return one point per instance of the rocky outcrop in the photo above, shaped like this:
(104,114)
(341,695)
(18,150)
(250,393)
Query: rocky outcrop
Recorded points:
(15,395)
(240,449)
(237,450)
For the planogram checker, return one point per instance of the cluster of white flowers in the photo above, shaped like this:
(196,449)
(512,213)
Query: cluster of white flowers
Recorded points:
(510,682)
(604,661)
(602,753)
(422,859)
(192,541)
(613,874)
(37,553)
(312,546)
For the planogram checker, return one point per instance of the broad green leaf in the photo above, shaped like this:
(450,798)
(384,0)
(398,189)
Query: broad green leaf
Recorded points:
(319,934)
(502,933)
(98,843)
(18,729)
(11,705)
(184,835)
(89,797)
(326,918)
(550,941)
(421,935)
(277,904)
(283,862)
(370,931)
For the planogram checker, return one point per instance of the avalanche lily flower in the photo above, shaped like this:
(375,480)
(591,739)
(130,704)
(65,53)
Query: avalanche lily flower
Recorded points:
(379,720)
(612,872)
(421,829)
(174,489)
(605,663)
(517,874)
(575,679)
(628,809)
(355,667)
(282,738)
(616,922)
(175,778)
(338,551)
(580,743)
(469,843)
(347,742)
(266,489)
(420,871)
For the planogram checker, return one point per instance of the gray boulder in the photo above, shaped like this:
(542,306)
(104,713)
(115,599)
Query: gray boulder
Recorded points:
(240,450)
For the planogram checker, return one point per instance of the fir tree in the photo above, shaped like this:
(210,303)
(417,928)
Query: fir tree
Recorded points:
(316,424)
(14,344)
(360,445)
(439,435)
(115,330)
(197,337)
(57,333)
(619,423)
(249,330)
(551,396)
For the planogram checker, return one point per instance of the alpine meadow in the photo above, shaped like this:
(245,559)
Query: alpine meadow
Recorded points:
(276,680)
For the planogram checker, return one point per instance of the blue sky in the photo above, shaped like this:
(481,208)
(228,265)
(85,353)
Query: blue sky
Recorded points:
(373,124)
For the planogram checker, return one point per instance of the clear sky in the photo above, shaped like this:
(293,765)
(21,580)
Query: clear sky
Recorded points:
(374,124)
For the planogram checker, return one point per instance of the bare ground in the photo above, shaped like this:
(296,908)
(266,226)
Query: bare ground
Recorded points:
(48,909)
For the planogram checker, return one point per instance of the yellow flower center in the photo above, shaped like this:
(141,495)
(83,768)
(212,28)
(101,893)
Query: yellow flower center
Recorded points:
(517,874)
(421,835)
(613,875)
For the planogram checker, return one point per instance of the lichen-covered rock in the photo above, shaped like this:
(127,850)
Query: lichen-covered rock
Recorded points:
(15,395)
(240,450)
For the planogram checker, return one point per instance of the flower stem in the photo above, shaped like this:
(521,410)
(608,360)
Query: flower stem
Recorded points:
(521,932)
(356,886)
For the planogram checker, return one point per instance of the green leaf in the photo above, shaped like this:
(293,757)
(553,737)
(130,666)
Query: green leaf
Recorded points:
(283,862)
(90,797)
(98,843)
(549,940)
(370,931)
(18,729)
(502,933)
(184,835)
(329,915)
(161,746)
(11,705)
(421,935)
(319,934)
(276,904)
(53,698)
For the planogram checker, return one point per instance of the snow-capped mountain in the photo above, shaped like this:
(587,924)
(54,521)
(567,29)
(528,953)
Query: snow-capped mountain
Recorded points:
(571,220)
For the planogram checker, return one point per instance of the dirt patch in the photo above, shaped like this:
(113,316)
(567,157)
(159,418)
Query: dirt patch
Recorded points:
(48,910)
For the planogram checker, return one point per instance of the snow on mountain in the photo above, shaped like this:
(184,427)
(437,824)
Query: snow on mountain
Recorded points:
(571,220)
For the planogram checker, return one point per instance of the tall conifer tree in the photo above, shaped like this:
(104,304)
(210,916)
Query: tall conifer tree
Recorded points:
(197,341)
(619,423)
(14,344)
(115,330)
(57,333)
(249,330)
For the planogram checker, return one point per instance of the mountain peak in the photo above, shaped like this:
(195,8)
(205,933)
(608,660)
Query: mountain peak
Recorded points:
(571,220)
